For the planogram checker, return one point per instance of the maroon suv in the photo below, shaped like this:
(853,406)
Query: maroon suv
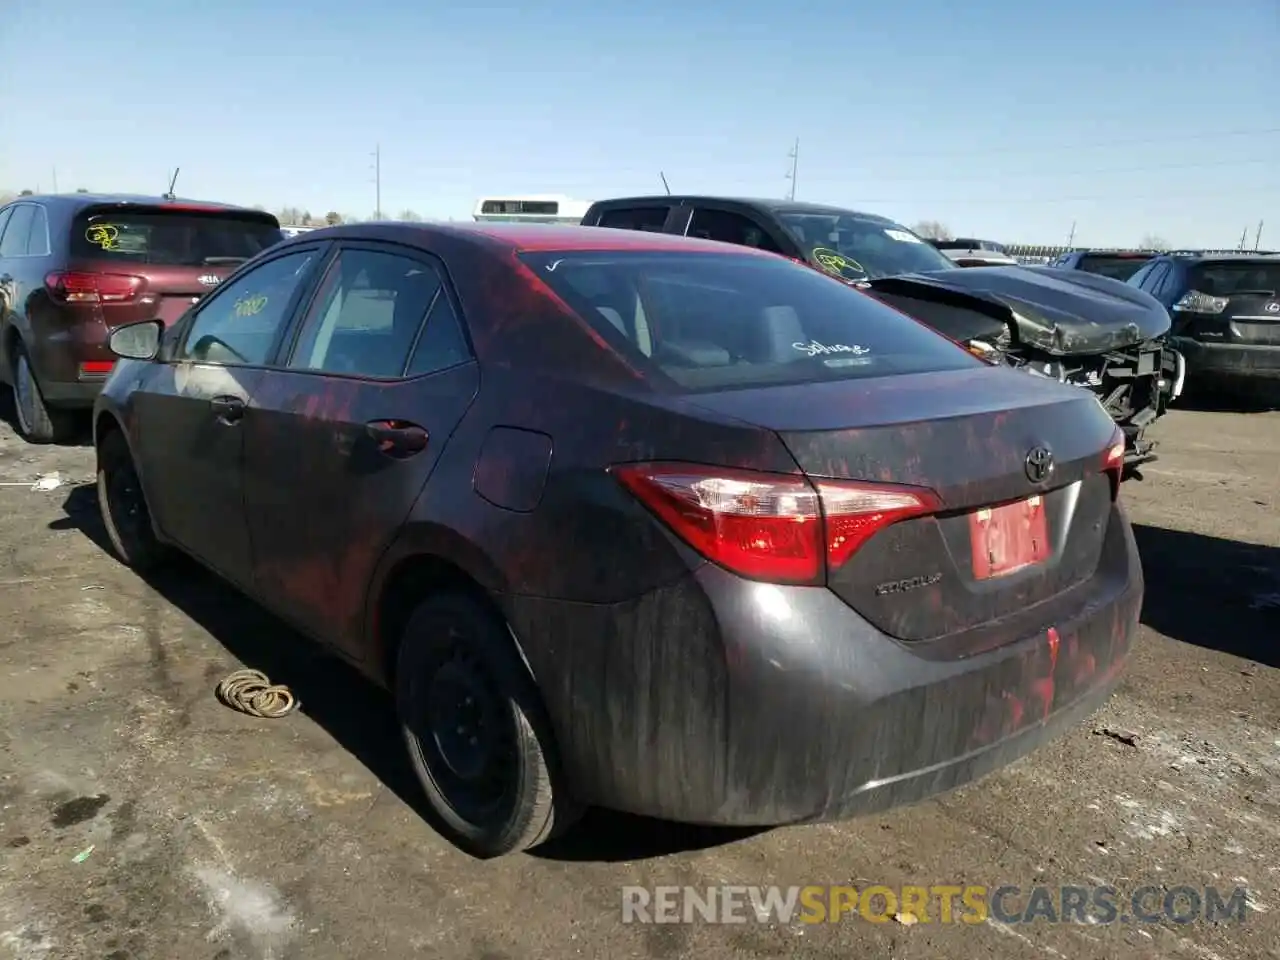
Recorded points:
(75,266)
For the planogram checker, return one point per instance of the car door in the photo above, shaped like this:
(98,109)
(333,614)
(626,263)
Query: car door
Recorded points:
(6,295)
(15,268)
(344,434)
(188,414)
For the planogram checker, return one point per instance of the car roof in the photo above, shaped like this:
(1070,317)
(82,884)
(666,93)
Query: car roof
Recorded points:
(522,237)
(774,206)
(80,200)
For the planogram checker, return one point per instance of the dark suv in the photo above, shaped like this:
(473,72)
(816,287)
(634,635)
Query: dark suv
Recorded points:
(1225,309)
(75,266)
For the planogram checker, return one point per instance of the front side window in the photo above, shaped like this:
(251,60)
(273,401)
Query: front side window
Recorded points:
(859,247)
(239,324)
(368,314)
(711,321)
(727,227)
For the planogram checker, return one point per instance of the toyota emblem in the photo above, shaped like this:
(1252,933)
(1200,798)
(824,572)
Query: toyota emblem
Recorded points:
(1273,307)
(1039,464)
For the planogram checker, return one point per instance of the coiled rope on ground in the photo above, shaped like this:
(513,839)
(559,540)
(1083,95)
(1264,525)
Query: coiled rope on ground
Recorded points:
(250,692)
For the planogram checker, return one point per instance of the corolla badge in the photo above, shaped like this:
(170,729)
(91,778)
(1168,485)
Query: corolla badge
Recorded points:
(209,280)
(1038,464)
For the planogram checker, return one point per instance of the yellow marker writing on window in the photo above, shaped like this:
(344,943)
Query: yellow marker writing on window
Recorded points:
(835,262)
(104,235)
(250,306)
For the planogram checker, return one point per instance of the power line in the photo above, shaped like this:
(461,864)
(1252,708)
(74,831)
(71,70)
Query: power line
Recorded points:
(1054,148)
(949,178)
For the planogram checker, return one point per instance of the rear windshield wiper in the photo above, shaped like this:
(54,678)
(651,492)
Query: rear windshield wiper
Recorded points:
(1253,293)
(219,261)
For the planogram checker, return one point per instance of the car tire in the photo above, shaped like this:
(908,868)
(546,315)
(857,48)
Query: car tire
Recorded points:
(124,506)
(477,734)
(36,422)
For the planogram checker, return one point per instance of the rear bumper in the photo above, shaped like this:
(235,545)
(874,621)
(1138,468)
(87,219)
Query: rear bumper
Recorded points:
(76,395)
(1229,359)
(720,701)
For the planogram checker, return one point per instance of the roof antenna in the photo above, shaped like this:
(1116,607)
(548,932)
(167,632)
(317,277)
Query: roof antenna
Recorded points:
(172,182)
(664,182)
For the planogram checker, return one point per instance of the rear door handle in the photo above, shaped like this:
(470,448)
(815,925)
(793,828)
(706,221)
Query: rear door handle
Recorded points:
(397,438)
(227,409)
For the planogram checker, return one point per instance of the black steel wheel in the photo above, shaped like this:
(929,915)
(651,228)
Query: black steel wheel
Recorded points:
(124,505)
(476,732)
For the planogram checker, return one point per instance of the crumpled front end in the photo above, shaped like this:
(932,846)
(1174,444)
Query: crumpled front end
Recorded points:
(1076,328)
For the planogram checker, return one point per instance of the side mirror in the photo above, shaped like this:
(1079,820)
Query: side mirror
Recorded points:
(136,341)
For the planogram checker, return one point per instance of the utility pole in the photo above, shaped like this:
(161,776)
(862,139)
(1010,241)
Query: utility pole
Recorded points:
(1257,237)
(794,157)
(1071,238)
(1244,238)
(55,179)
(377,180)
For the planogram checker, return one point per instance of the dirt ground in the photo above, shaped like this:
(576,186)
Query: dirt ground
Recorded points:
(141,820)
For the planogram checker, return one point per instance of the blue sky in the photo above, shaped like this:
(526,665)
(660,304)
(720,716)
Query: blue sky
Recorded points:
(1000,119)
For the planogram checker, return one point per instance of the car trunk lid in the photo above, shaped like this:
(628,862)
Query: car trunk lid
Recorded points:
(1008,536)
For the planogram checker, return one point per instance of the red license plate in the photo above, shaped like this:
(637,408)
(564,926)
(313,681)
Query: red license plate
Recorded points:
(1008,538)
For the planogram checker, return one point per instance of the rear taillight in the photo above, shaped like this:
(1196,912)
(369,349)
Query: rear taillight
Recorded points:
(771,527)
(93,287)
(1197,302)
(1113,461)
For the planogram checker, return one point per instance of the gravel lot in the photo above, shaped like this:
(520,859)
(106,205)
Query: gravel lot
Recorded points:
(141,819)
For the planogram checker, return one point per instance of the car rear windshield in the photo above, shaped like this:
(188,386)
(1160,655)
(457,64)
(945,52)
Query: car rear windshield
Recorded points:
(1115,267)
(1236,278)
(710,321)
(173,238)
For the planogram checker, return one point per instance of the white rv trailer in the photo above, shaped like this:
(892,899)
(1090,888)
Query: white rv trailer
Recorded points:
(531,208)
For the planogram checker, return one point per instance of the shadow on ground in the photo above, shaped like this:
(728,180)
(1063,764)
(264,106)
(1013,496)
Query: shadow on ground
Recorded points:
(358,714)
(83,436)
(1247,396)
(1214,593)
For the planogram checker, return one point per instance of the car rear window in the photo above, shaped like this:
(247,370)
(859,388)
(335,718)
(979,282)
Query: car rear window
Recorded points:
(1228,279)
(711,321)
(176,238)
(1117,268)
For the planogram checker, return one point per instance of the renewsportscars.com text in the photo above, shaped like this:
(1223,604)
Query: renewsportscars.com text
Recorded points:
(937,903)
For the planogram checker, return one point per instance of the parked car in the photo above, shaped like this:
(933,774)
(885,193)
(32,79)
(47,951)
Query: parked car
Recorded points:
(633,520)
(75,266)
(1225,309)
(1116,264)
(1089,331)
(968,252)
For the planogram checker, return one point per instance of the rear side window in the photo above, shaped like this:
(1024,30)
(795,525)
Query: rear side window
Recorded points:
(367,315)
(1230,279)
(650,219)
(710,321)
(18,233)
(170,237)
